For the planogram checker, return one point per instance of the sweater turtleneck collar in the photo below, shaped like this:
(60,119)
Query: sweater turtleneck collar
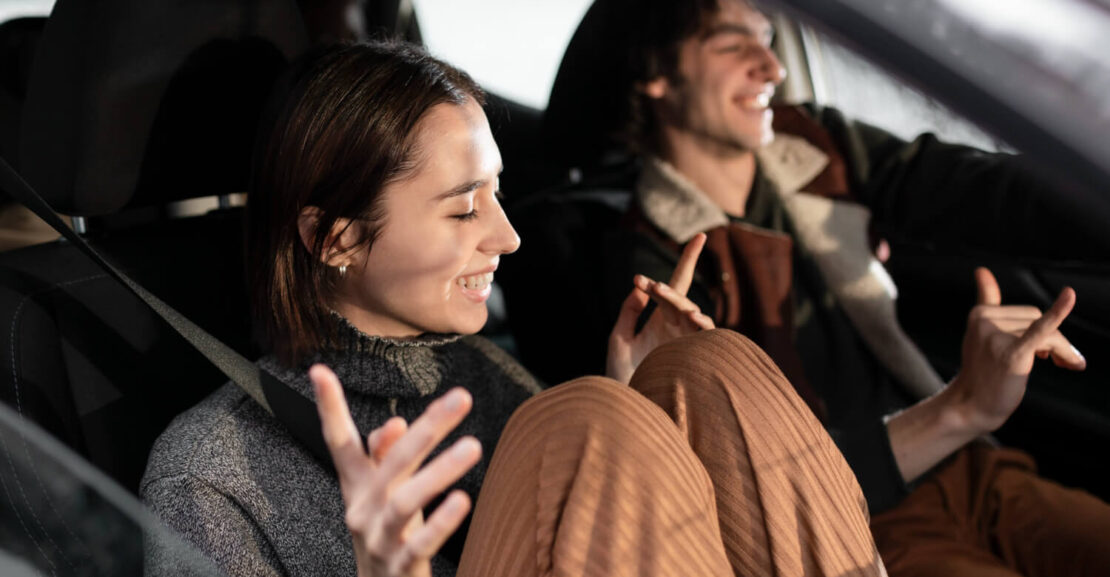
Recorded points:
(377,366)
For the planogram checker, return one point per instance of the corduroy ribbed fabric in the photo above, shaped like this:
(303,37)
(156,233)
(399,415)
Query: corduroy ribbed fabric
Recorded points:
(709,464)
(986,513)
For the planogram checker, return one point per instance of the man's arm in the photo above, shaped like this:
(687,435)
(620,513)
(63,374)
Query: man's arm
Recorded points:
(999,349)
(954,196)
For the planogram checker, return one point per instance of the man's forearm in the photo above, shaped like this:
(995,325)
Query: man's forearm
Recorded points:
(924,434)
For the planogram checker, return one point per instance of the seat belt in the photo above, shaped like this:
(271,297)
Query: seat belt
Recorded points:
(297,413)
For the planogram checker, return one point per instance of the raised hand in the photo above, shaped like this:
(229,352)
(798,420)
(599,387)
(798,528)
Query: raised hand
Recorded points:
(674,315)
(999,348)
(385,491)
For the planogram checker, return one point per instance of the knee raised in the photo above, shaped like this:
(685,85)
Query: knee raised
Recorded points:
(588,406)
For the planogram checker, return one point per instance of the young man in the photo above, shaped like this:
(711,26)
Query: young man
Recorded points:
(789,263)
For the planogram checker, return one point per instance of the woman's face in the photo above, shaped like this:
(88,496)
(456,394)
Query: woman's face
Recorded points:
(442,236)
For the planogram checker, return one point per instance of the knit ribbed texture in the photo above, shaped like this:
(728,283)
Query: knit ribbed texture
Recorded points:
(710,464)
(231,480)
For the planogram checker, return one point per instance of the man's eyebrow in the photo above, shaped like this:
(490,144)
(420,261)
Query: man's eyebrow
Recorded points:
(741,29)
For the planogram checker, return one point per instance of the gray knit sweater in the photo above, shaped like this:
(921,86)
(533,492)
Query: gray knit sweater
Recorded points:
(232,481)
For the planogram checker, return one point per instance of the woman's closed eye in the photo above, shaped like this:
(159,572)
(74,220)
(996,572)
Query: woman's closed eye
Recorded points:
(473,213)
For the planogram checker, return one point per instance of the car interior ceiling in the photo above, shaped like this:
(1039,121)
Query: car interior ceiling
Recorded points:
(93,366)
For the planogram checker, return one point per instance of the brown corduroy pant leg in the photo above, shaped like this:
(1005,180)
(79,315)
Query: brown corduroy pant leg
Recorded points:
(987,513)
(709,464)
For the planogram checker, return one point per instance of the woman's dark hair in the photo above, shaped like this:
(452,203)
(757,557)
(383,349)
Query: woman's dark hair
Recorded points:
(344,132)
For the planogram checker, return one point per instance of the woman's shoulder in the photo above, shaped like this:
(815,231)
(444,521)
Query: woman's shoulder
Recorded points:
(209,442)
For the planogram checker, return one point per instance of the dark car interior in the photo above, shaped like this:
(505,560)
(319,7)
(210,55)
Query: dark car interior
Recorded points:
(116,111)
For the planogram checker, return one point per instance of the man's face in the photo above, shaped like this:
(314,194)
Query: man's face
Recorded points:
(727,75)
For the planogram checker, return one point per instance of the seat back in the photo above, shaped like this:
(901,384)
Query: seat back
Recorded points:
(133,104)
(556,309)
(18,40)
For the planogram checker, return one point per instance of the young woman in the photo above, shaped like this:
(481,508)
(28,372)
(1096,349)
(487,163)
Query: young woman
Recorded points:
(374,232)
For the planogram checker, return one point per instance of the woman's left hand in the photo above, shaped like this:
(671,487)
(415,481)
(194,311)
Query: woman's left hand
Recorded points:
(674,315)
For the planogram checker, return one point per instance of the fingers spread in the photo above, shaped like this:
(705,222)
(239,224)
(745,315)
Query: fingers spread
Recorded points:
(702,321)
(634,304)
(383,438)
(1043,328)
(989,293)
(441,417)
(1014,312)
(427,540)
(1062,352)
(431,480)
(668,297)
(683,273)
(340,434)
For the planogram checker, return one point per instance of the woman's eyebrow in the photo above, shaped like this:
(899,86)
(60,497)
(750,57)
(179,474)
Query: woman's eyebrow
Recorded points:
(464,188)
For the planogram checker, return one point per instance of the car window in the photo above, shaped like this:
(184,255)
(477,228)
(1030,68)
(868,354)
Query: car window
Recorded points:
(843,79)
(10,9)
(511,47)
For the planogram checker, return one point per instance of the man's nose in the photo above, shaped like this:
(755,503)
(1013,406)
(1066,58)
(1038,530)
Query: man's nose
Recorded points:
(769,69)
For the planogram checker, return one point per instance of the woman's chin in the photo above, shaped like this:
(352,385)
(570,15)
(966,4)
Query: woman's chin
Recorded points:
(467,324)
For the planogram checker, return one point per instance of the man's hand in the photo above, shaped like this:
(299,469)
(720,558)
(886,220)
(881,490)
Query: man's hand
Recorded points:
(385,491)
(674,316)
(999,348)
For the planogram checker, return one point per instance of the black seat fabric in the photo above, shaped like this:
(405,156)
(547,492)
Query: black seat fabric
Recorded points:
(101,86)
(552,292)
(90,362)
(587,109)
(555,306)
(18,40)
(132,104)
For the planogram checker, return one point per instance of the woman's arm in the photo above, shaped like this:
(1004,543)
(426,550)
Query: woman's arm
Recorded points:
(211,521)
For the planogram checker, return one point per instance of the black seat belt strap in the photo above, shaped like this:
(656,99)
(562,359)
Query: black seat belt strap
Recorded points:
(292,409)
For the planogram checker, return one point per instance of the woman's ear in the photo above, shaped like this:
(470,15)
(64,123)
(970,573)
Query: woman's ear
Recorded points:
(339,242)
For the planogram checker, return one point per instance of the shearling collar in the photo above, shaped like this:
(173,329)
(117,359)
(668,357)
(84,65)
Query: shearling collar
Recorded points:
(833,232)
(676,206)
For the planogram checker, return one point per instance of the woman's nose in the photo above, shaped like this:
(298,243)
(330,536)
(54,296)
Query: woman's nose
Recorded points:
(501,237)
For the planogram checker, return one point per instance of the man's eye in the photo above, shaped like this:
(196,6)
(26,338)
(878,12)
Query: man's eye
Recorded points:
(465,217)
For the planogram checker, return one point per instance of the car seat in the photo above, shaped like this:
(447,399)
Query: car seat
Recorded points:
(132,105)
(556,308)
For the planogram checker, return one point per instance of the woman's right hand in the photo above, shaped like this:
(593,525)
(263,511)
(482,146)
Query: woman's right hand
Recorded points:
(385,491)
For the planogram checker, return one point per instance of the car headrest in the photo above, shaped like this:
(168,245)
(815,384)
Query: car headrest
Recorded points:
(587,104)
(18,38)
(142,102)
